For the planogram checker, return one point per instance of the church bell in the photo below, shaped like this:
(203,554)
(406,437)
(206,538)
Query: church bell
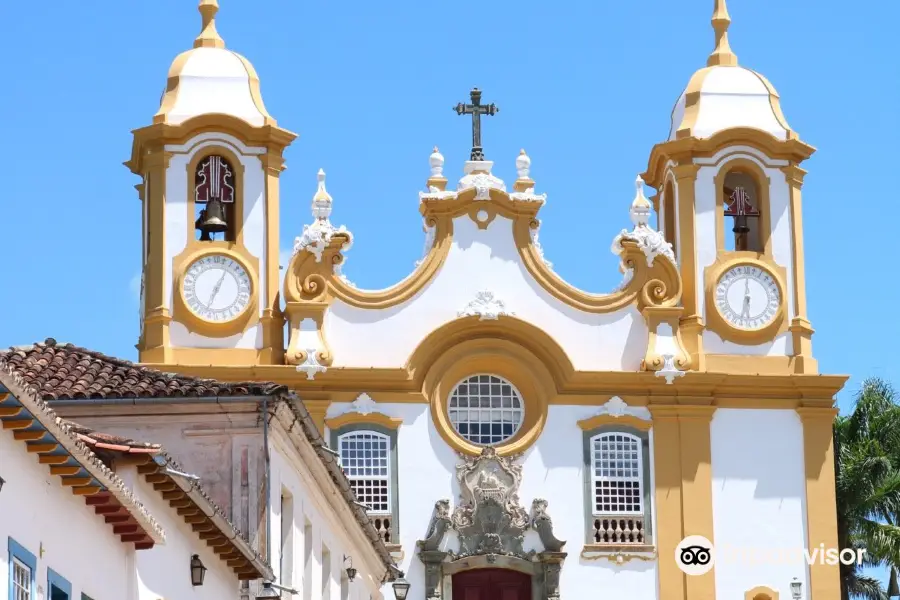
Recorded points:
(212,220)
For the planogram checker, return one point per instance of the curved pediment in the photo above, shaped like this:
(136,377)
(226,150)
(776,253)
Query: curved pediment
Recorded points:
(482,248)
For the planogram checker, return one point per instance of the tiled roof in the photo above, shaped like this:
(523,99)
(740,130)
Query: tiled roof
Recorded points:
(68,446)
(67,372)
(160,470)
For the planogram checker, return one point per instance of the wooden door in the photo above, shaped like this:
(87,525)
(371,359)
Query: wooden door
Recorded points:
(491,584)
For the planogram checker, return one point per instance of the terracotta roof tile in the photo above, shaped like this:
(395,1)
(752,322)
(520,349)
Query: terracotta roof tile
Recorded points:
(67,372)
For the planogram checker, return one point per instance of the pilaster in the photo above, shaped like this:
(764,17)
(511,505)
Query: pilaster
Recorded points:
(691,322)
(821,501)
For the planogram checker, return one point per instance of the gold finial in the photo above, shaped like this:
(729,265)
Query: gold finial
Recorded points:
(722,55)
(209,37)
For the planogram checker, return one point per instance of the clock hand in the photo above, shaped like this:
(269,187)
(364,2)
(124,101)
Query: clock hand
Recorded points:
(745,313)
(216,289)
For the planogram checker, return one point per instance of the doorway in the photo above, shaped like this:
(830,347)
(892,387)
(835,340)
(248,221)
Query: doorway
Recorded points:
(491,584)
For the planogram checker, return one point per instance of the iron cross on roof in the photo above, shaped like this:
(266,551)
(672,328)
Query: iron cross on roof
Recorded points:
(476,109)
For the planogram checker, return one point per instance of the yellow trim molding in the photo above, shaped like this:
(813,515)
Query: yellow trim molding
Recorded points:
(157,136)
(657,285)
(354,418)
(196,250)
(623,420)
(683,151)
(761,592)
(619,554)
(683,495)
(714,320)
(496,357)
(310,280)
(821,499)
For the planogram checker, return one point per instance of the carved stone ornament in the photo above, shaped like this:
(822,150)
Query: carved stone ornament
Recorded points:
(489,519)
(363,404)
(486,306)
(317,236)
(478,176)
(652,242)
(669,370)
(311,365)
(491,526)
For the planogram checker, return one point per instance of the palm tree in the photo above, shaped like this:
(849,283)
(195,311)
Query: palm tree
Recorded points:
(867,467)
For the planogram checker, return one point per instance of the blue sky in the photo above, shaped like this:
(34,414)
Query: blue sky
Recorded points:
(585,87)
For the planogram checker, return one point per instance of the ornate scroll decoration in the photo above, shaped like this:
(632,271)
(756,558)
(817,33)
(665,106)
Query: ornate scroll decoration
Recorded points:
(486,307)
(489,519)
(491,526)
(215,181)
(541,522)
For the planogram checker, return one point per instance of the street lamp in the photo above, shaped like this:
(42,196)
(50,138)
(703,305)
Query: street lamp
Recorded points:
(351,572)
(198,571)
(401,587)
(796,587)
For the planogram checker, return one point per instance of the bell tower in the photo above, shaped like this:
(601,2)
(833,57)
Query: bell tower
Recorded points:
(729,180)
(209,164)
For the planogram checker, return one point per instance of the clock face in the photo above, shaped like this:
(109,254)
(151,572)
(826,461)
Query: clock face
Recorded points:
(216,288)
(748,297)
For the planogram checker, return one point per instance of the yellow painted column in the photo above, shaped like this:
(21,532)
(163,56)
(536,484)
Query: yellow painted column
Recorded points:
(696,489)
(821,501)
(667,475)
(691,322)
(271,320)
(155,347)
(683,476)
(800,328)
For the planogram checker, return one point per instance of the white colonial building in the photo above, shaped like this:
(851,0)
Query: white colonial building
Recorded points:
(238,475)
(505,434)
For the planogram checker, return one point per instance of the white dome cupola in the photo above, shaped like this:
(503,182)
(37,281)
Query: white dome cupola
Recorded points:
(210,79)
(724,95)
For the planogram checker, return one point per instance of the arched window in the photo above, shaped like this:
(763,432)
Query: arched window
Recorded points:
(485,409)
(366,460)
(742,208)
(215,192)
(670,221)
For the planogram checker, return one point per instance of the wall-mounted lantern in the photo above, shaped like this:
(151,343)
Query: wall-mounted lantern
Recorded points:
(198,571)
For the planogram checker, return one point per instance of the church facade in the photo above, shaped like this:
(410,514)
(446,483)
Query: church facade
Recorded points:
(510,434)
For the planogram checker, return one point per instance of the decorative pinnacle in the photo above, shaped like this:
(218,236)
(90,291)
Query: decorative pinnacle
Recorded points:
(523,165)
(640,208)
(436,160)
(321,204)
(209,37)
(722,55)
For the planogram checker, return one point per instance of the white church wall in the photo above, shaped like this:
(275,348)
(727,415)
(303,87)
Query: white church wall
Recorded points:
(164,570)
(758,497)
(58,529)
(552,470)
(316,567)
(484,260)
(179,223)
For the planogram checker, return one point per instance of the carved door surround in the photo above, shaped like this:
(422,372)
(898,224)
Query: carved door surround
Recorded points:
(491,526)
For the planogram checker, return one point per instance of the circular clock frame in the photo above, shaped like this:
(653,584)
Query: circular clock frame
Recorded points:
(198,324)
(717,323)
